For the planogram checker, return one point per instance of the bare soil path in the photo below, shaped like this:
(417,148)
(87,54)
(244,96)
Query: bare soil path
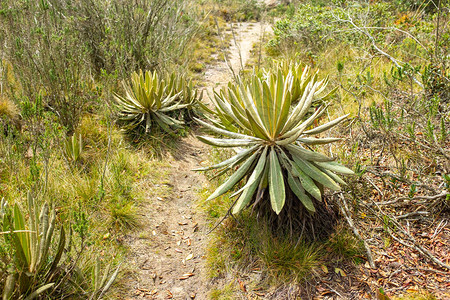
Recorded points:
(167,255)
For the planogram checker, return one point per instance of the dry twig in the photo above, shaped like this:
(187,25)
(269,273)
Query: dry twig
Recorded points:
(410,240)
(346,213)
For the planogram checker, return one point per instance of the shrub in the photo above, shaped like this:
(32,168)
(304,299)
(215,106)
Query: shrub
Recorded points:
(47,58)
(57,49)
(123,36)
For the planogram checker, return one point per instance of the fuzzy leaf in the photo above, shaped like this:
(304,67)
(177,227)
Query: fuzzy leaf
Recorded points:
(235,178)
(276,183)
(335,167)
(316,174)
(296,187)
(226,142)
(297,151)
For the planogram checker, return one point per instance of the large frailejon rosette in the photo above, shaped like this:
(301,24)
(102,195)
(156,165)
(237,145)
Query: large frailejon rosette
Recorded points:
(272,137)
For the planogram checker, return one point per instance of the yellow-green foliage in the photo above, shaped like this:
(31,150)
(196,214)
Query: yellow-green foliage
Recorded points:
(8,110)
(420,295)
(248,242)
(108,186)
(205,44)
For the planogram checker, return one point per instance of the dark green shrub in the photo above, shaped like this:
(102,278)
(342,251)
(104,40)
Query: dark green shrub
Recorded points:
(47,58)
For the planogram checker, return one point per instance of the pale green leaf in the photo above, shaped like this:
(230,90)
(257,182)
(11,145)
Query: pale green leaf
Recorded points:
(256,172)
(249,189)
(326,126)
(226,142)
(319,141)
(297,151)
(236,158)
(316,174)
(307,183)
(276,183)
(335,167)
(297,188)
(235,178)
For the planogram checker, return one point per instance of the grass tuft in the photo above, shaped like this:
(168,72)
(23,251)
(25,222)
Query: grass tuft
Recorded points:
(123,216)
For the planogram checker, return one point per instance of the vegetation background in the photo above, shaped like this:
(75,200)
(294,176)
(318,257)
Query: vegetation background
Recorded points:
(68,171)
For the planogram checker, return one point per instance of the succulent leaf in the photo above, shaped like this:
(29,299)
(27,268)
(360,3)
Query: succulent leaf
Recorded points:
(276,183)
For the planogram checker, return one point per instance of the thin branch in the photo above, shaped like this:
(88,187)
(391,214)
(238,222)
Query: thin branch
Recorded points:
(238,46)
(399,30)
(223,49)
(413,214)
(396,62)
(224,217)
(346,213)
(411,241)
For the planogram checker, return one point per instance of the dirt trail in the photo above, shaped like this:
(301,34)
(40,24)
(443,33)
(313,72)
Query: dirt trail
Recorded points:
(169,262)
(246,35)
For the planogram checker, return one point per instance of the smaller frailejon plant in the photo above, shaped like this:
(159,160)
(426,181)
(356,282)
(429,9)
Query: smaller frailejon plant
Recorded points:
(187,94)
(31,250)
(273,141)
(37,264)
(73,148)
(300,78)
(148,101)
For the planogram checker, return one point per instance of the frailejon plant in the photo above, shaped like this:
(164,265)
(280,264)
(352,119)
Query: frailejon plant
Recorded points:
(37,265)
(148,101)
(184,89)
(300,78)
(33,267)
(273,139)
(73,148)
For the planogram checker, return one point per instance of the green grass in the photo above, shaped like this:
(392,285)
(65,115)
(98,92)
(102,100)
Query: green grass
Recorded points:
(224,293)
(107,187)
(241,244)
(344,245)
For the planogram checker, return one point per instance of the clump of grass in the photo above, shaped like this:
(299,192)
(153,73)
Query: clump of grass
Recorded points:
(123,216)
(291,262)
(222,293)
(245,242)
(344,244)
(94,131)
(8,110)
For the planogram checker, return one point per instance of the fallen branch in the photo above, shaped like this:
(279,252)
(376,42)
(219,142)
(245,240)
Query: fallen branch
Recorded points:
(413,214)
(417,247)
(396,200)
(410,240)
(346,213)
